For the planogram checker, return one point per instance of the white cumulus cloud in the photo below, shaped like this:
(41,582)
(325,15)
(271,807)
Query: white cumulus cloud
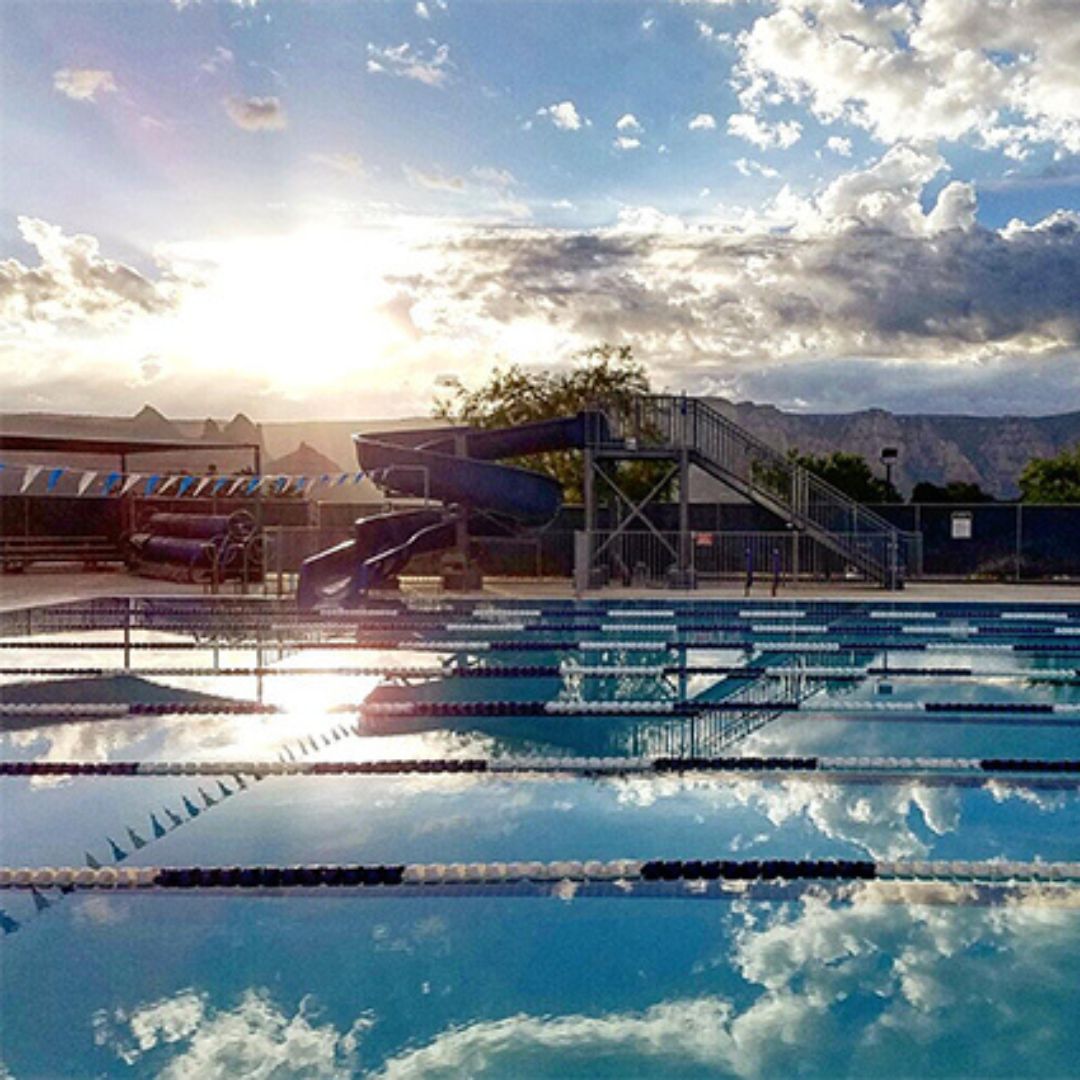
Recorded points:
(564,115)
(1001,72)
(255,1039)
(84,84)
(703,122)
(763,134)
(73,283)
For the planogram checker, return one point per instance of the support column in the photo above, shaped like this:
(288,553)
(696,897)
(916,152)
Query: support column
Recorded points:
(461,531)
(686,574)
(468,577)
(590,514)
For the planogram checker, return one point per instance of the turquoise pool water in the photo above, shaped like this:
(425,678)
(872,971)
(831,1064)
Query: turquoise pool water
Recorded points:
(900,707)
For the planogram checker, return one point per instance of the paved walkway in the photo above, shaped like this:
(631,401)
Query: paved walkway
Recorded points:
(59,585)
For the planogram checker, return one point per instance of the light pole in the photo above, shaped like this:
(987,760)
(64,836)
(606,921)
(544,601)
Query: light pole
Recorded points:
(889,454)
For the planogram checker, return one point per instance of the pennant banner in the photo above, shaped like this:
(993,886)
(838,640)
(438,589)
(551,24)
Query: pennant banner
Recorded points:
(31,474)
(180,484)
(130,482)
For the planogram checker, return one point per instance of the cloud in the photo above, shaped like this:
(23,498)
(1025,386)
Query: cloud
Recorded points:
(764,135)
(862,987)
(84,84)
(747,167)
(864,276)
(839,145)
(878,288)
(181,4)
(629,122)
(1004,73)
(254,1039)
(888,195)
(345,162)
(564,116)
(691,1032)
(625,142)
(405,62)
(218,59)
(73,283)
(494,177)
(434,181)
(256,113)
(703,122)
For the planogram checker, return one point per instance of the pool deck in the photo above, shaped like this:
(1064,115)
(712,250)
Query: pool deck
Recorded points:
(60,586)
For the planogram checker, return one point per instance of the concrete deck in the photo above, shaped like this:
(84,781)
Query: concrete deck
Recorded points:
(59,585)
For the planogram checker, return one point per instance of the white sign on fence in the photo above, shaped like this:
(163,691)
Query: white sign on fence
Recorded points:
(961,525)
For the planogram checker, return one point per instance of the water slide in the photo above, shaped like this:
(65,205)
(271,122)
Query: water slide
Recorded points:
(455,467)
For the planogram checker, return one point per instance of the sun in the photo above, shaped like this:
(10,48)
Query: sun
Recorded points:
(299,312)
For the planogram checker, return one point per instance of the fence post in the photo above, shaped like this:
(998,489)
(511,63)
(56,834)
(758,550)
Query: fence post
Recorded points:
(278,558)
(582,556)
(127,633)
(1019,537)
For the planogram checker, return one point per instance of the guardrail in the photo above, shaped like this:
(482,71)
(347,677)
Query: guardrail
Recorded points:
(651,559)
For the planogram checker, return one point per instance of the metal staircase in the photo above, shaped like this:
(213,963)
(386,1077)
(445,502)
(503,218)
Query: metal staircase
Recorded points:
(667,425)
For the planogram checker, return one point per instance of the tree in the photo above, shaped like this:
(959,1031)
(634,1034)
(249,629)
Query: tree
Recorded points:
(955,491)
(605,375)
(1053,479)
(850,474)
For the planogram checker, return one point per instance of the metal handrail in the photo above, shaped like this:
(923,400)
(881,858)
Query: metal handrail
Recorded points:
(670,421)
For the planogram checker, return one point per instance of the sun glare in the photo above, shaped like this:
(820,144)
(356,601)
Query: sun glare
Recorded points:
(301,311)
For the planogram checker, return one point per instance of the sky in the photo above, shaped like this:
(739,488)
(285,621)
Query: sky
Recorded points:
(306,209)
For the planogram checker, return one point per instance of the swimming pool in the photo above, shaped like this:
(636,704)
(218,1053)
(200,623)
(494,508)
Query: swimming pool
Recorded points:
(539,838)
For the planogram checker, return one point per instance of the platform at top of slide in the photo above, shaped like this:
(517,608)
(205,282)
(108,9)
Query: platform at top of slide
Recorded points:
(455,465)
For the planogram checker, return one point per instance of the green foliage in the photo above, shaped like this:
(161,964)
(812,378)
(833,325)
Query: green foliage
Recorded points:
(848,473)
(954,492)
(851,474)
(1052,480)
(605,376)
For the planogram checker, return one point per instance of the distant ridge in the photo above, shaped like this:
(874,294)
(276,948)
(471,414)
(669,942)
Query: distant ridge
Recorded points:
(148,423)
(241,430)
(986,450)
(305,460)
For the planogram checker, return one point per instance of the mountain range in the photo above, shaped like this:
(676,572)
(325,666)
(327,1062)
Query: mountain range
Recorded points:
(988,451)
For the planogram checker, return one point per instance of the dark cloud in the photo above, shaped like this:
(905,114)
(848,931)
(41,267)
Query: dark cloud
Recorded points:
(728,306)
(256,113)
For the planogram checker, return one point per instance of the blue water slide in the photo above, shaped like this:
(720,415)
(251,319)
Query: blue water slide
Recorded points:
(455,467)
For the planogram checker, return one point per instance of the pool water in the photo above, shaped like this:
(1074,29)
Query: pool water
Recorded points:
(899,705)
